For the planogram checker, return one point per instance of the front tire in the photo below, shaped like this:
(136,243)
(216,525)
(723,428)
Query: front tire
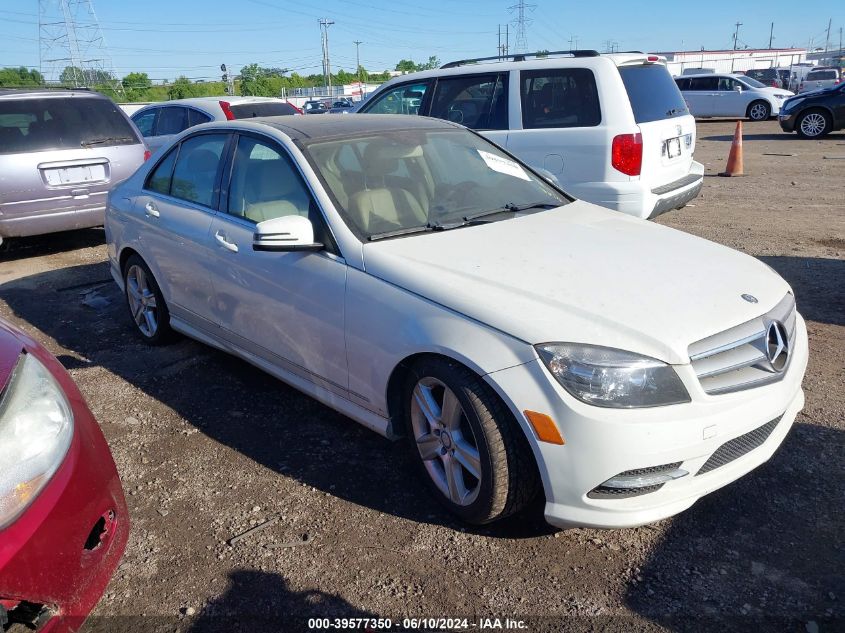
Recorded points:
(813,124)
(146,303)
(470,450)
(759,111)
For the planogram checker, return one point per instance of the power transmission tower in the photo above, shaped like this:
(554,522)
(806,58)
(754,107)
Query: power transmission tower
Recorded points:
(327,66)
(71,46)
(522,22)
(736,34)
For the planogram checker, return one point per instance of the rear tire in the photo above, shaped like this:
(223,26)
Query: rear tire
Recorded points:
(146,304)
(813,124)
(759,111)
(469,449)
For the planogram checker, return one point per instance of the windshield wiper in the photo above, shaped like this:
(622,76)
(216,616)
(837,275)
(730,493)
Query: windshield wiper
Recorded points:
(107,139)
(510,207)
(406,231)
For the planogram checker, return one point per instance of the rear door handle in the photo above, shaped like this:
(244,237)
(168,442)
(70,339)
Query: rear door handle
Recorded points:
(151,210)
(225,243)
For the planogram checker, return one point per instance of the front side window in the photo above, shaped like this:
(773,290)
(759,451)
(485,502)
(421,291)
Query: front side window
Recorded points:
(433,179)
(479,102)
(172,120)
(264,185)
(403,99)
(145,121)
(727,84)
(195,173)
(559,98)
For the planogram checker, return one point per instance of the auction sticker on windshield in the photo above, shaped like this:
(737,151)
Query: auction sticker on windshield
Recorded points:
(503,165)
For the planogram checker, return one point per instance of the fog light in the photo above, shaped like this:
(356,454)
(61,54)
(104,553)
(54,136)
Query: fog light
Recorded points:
(639,481)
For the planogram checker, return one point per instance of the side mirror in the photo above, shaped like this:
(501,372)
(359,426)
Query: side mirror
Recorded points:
(287,233)
(738,88)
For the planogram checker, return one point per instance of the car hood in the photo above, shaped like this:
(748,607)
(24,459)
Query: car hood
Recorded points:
(583,274)
(777,91)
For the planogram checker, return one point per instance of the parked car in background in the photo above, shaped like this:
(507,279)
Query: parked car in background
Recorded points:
(819,78)
(60,153)
(771,77)
(315,107)
(612,129)
(414,276)
(697,71)
(730,95)
(159,122)
(814,114)
(63,517)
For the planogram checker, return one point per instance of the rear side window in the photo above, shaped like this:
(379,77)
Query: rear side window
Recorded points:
(404,99)
(653,94)
(683,84)
(34,125)
(704,83)
(822,74)
(172,120)
(559,98)
(479,102)
(146,122)
(195,117)
(194,176)
(261,108)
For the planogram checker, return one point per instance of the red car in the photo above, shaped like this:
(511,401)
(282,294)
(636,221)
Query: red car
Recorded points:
(63,517)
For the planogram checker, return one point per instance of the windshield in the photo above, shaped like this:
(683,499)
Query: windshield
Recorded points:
(407,181)
(750,82)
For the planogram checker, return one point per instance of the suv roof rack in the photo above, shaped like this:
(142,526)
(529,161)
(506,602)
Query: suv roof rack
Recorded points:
(520,57)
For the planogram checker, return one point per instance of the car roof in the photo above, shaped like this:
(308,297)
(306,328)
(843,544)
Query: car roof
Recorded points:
(212,101)
(13,93)
(338,125)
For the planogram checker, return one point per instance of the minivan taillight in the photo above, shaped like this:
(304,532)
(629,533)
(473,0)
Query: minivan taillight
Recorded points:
(626,153)
(227,110)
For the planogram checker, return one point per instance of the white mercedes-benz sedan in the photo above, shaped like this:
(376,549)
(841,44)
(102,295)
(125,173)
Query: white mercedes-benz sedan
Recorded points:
(422,281)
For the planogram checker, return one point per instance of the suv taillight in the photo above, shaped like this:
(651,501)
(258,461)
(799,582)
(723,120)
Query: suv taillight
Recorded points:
(626,153)
(227,110)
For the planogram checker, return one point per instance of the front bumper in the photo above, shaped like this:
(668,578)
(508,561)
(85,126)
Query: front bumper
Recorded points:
(602,443)
(59,555)
(787,121)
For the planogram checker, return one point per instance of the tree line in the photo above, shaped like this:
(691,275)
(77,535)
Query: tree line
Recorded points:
(254,80)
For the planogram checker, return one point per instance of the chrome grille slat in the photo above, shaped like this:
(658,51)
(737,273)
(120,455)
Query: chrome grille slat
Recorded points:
(735,359)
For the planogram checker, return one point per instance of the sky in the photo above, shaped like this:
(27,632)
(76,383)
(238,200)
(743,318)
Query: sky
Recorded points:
(167,38)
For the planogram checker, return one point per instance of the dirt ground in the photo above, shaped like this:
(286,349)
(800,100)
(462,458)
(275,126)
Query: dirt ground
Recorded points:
(208,446)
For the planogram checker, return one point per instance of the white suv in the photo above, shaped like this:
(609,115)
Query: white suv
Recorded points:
(612,129)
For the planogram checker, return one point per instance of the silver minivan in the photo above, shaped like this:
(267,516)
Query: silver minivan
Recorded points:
(61,151)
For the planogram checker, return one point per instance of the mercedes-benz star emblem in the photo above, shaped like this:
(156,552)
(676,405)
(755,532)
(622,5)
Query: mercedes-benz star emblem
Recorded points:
(777,345)
(749,298)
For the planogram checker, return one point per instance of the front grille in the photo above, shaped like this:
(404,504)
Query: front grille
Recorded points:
(736,359)
(606,492)
(739,446)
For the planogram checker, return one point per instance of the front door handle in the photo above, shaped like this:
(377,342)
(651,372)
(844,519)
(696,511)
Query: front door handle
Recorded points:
(151,210)
(225,243)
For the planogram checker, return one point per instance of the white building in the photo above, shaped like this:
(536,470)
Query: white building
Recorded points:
(727,61)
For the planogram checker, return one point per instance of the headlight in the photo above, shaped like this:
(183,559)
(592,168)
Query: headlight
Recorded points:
(607,377)
(788,105)
(36,426)
(781,97)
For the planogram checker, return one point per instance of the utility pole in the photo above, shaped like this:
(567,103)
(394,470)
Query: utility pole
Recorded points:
(503,46)
(736,33)
(571,39)
(771,34)
(358,59)
(327,66)
(827,39)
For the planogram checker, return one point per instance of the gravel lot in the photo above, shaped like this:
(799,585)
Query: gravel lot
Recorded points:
(208,446)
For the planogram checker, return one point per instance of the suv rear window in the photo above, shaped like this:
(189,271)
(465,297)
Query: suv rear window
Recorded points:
(653,93)
(34,125)
(250,110)
(816,75)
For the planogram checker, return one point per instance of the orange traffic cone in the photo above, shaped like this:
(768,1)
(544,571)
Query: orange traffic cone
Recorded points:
(734,167)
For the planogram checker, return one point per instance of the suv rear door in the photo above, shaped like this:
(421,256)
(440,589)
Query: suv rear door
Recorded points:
(666,126)
(59,155)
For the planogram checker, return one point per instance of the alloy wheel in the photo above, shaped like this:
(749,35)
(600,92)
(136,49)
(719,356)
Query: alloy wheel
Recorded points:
(142,300)
(813,124)
(758,112)
(445,441)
